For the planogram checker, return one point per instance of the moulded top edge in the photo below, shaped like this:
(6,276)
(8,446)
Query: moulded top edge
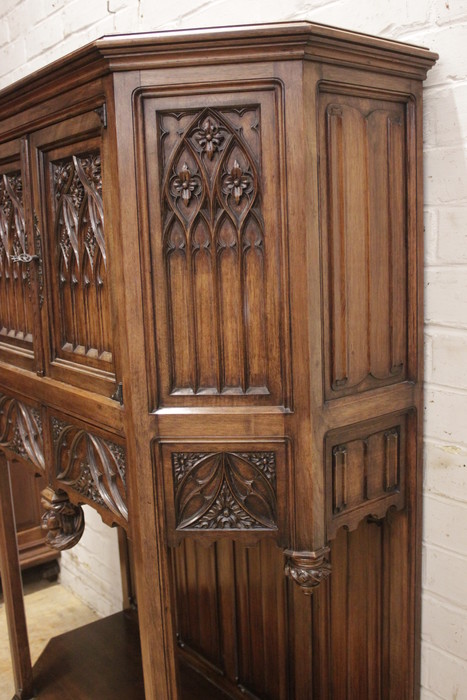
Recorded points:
(221,45)
(299,31)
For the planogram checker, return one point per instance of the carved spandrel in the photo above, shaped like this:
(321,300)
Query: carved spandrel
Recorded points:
(63,521)
(225,490)
(16,309)
(214,250)
(21,430)
(92,466)
(84,319)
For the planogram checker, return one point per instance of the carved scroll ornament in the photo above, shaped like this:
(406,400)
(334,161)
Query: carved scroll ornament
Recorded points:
(308,569)
(21,430)
(63,520)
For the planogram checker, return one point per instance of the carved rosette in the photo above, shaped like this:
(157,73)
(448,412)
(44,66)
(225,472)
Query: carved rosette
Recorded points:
(63,520)
(21,430)
(308,569)
(225,490)
(92,466)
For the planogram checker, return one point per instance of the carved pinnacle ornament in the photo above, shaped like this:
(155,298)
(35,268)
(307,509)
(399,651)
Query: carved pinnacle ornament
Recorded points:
(63,520)
(307,569)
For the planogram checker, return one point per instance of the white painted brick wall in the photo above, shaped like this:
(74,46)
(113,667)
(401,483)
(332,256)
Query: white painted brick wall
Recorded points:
(34,32)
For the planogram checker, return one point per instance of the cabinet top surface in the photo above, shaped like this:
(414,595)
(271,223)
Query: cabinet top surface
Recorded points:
(223,45)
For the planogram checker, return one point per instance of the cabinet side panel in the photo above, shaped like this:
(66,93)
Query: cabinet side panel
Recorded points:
(364,233)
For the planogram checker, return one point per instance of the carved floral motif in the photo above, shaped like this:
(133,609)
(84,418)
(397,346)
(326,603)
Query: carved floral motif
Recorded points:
(91,466)
(236,182)
(225,490)
(185,184)
(209,137)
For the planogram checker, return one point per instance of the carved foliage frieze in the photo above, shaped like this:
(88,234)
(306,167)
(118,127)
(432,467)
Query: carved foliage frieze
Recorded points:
(225,490)
(91,466)
(214,250)
(16,314)
(21,430)
(365,241)
(81,256)
(365,473)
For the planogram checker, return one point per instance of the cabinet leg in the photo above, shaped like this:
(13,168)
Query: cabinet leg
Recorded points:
(13,589)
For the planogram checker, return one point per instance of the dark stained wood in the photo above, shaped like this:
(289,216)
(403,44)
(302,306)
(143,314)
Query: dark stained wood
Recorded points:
(219,348)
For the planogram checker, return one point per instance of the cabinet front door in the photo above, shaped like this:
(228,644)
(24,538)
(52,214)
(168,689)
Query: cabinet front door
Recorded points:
(69,181)
(20,261)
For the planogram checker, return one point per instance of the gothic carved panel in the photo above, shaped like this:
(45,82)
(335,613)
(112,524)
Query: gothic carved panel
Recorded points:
(91,466)
(365,231)
(21,430)
(217,249)
(365,472)
(214,489)
(84,327)
(16,309)
(214,250)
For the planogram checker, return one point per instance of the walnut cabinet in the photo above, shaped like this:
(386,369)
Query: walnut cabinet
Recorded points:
(211,265)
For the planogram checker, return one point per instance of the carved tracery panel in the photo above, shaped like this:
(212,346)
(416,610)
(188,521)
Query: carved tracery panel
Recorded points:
(16,312)
(214,242)
(84,319)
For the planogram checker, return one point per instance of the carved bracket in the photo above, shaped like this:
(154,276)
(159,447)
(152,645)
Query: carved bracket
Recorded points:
(92,466)
(63,520)
(307,569)
(21,430)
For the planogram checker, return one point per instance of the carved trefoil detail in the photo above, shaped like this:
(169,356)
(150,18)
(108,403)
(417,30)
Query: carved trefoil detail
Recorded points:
(16,309)
(225,490)
(92,466)
(21,430)
(214,251)
(81,257)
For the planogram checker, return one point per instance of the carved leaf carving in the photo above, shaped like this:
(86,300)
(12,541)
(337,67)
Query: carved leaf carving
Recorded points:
(21,430)
(225,490)
(91,466)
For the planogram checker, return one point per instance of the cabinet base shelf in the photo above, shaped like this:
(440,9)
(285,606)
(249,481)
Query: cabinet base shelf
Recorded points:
(103,660)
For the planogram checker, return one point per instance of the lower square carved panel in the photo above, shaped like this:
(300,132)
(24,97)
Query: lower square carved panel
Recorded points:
(213,489)
(366,467)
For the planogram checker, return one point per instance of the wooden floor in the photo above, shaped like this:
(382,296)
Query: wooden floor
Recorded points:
(83,661)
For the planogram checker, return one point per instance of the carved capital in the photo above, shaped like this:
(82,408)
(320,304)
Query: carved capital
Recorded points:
(307,569)
(63,520)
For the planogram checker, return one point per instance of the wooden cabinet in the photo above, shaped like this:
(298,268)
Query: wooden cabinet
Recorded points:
(214,337)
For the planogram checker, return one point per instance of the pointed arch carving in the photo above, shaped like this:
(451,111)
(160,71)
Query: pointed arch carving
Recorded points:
(214,248)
